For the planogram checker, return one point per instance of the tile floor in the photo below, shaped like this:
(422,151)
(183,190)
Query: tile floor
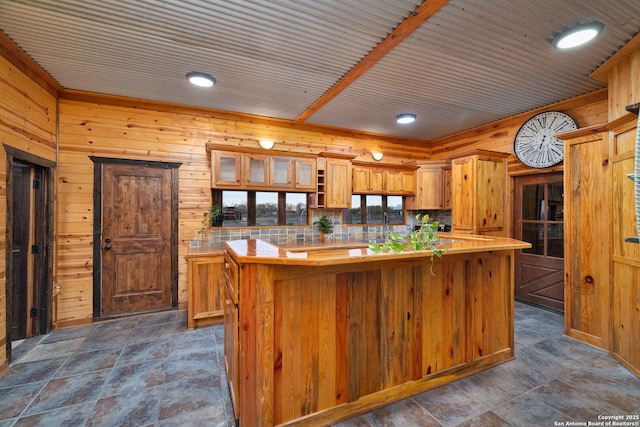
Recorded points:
(150,371)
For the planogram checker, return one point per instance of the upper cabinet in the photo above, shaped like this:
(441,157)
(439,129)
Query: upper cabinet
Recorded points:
(337,183)
(383,179)
(368,180)
(479,182)
(253,170)
(226,169)
(305,172)
(282,169)
(433,186)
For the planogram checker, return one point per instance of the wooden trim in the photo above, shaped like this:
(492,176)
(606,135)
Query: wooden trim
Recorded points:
(23,62)
(602,73)
(72,323)
(425,11)
(250,150)
(372,165)
(484,153)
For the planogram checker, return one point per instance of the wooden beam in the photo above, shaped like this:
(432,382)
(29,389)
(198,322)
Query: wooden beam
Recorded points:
(425,11)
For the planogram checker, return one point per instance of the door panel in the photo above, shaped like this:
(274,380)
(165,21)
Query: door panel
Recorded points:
(538,219)
(136,239)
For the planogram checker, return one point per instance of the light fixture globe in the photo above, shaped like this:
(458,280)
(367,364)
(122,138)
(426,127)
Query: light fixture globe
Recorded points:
(267,144)
(377,156)
(577,35)
(200,79)
(405,118)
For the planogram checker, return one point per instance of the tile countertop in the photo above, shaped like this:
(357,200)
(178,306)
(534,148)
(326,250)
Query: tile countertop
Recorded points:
(329,253)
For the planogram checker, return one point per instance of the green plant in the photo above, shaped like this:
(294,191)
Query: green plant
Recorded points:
(324,224)
(426,237)
(212,218)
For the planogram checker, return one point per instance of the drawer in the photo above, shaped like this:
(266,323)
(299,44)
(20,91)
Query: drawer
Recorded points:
(231,277)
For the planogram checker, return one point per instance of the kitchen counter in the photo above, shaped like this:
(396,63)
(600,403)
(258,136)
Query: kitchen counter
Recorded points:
(318,334)
(330,253)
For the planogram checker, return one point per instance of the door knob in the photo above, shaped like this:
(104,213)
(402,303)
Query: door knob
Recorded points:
(107,248)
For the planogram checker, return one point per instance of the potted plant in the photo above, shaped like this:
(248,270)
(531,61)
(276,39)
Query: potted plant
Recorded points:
(425,238)
(212,218)
(325,226)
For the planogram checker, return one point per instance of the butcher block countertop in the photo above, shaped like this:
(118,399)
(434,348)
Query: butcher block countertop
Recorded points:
(330,253)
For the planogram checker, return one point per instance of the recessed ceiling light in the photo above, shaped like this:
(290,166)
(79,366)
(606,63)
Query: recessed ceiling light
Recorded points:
(201,79)
(405,118)
(577,35)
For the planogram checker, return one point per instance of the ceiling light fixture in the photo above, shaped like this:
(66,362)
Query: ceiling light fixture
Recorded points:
(577,35)
(200,79)
(377,156)
(405,119)
(267,144)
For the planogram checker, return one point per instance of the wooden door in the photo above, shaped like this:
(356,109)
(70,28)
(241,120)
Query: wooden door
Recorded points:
(539,220)
(29,237)
(137,239)
(21,275)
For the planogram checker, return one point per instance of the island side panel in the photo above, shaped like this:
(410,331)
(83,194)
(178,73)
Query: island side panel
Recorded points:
(441,300)
(306,322)
(491,321)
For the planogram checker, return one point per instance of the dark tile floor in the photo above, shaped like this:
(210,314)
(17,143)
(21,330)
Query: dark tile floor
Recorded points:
(150,371)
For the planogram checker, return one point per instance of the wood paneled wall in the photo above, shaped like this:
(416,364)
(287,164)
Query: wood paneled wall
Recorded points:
(27,123)
(114,127)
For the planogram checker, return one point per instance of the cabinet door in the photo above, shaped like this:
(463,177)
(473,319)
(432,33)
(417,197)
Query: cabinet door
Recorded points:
(225,169)
(205,289)
(360,180)
(446,188)
(282,172)
(429,188)
(464,193)
(338,183)
(377,181)
(231,349)
(394,182)
(587,191)
(490,185)
(408,182)
(256,170)
(306,174)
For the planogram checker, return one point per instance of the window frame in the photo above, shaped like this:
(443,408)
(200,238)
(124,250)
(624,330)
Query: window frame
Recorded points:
(347,217)
(217,198)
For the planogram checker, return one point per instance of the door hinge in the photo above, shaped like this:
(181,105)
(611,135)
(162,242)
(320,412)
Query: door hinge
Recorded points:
(36,184)
(33,312)
(35,249)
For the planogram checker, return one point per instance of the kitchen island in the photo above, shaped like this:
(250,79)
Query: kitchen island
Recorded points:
(316,336)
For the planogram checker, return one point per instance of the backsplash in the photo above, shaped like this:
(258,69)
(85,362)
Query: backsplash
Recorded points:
(344,233)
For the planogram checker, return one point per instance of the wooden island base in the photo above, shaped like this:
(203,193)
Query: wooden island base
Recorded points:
(312,340)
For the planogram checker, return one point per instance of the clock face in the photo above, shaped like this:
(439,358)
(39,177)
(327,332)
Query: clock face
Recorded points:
(535,145)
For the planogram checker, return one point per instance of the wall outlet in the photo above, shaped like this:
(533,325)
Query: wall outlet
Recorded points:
(58,289)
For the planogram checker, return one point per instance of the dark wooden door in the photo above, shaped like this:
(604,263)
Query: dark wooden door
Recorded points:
(539,220)
(21,282)
(136,239)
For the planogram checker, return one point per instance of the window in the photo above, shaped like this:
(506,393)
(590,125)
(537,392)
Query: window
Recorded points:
(371,209)
(261,208)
